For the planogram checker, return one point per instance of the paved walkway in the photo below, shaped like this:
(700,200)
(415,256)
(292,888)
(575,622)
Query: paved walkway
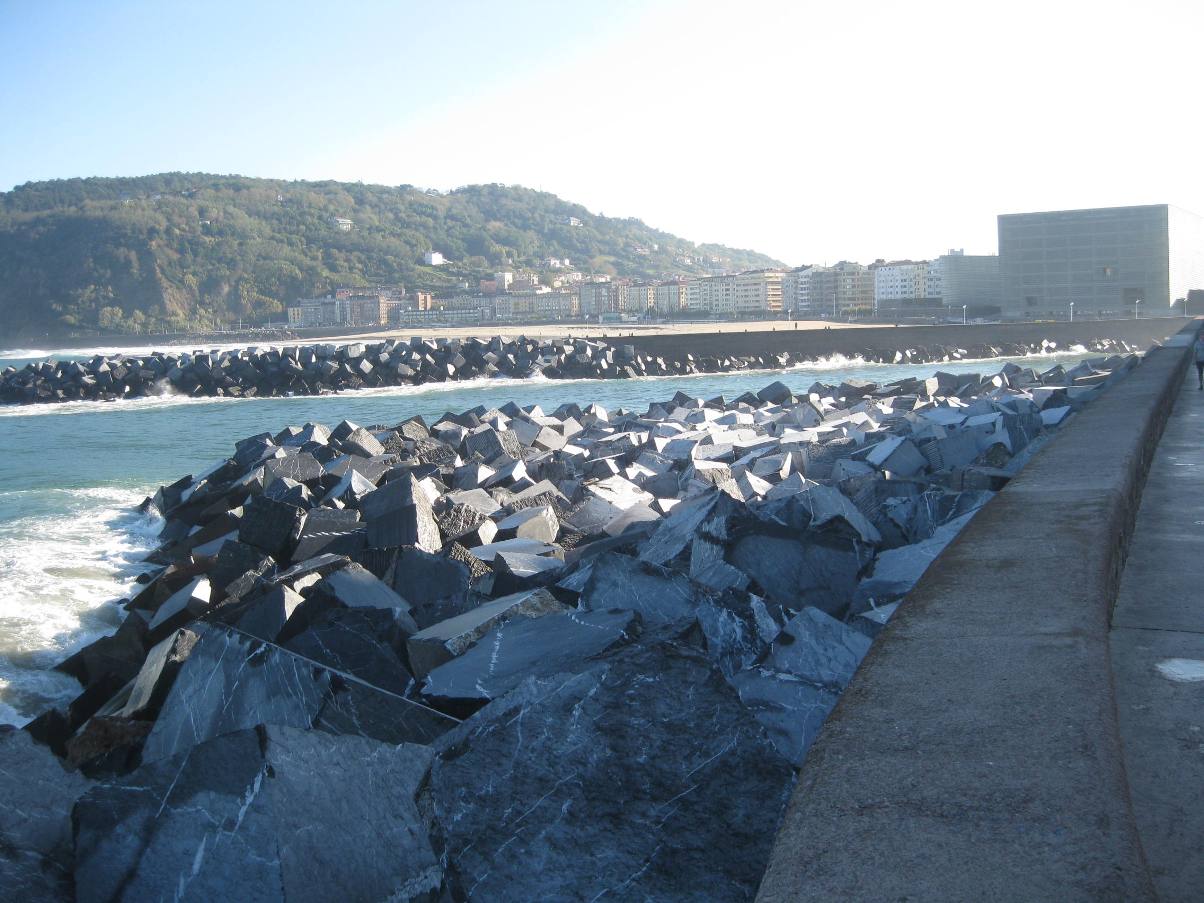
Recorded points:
(1157,642)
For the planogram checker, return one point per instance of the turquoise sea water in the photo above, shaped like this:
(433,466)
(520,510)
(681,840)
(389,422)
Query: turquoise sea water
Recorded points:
(72,475)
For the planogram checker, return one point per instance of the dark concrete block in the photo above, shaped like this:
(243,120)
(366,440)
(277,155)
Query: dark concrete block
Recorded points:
(270,813)
(528,647)
(157,674)
(182,606)
(435,586)
(232,681)
(667,781)
(234,559)
(35,820)
(356,587)
(399,514)
(538,523)
(797,685)
(363,642)
(272,527)
(441,642)
(821,572)
(267,615)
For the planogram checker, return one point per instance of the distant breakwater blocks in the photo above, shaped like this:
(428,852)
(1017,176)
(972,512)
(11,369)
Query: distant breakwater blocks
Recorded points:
(321,369)
(407,662)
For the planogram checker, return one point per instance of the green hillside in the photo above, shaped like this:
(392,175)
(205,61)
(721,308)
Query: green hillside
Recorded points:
(187,250)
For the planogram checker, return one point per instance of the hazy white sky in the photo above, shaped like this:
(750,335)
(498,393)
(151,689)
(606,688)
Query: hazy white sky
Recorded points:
(812,131)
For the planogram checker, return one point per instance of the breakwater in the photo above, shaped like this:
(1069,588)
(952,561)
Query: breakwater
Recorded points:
(884,342)
(506,635)
(980,737)
(324,368)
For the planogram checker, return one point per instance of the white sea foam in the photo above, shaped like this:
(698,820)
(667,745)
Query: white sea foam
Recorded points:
(61,572)
(176,400)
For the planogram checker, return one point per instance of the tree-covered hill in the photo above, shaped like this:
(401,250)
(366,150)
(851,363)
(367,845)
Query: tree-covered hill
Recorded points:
(188,250)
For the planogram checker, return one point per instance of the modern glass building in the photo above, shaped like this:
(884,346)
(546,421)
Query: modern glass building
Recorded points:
(1108,262)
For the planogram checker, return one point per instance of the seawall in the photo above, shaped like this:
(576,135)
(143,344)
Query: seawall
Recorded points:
(323,368)
(976,755)
(817,343)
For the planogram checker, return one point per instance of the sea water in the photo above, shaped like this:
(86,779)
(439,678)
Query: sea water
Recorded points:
(72,475)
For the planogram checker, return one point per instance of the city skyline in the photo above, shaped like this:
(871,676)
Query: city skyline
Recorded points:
(810,134)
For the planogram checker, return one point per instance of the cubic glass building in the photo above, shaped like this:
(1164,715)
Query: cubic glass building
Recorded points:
(1110,262)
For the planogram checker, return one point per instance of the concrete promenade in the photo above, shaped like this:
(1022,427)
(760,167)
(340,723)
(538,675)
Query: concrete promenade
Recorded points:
(978,753)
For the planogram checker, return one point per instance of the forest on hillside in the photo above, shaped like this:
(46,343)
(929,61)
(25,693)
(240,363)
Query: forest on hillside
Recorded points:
(182,251)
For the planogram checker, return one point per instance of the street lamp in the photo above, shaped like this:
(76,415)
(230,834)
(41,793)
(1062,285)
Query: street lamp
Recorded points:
(963,315)
(1136,307)
(1071,311)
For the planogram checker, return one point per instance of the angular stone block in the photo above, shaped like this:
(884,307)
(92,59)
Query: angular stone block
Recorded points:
(234,559)
(538,523)
(794,689)
(232,681)
(647,760)
(158,672)
(35,820)
(442,642)
(301,467)
(357,587)
(267,615)
(272,527)
(363,642)
(796,574)
(399,514)
(363,443)
(436,587)
(529,647)
(181,607)
(270,814)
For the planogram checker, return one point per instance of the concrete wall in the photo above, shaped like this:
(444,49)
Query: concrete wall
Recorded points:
(975,755)
(825,342)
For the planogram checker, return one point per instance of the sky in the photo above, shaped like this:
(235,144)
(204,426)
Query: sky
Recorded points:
(810,131)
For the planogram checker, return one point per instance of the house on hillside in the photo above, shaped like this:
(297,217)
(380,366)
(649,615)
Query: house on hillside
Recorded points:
(343,224)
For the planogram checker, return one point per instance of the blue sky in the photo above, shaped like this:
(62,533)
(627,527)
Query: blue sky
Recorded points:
(812,131)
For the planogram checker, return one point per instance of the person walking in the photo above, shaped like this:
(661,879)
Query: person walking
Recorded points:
(1198,348)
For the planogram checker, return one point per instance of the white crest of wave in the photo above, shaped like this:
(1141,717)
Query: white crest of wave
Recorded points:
(62,571)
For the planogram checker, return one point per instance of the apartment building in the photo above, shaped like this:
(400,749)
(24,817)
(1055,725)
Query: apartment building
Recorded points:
(823,292)
(309,313)
(535,306)
(603,298)
(753,294)
(669,298)
(900,283)
(641,297)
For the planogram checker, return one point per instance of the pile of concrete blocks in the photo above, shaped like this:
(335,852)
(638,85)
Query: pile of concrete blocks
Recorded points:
(411,661)
(320,369)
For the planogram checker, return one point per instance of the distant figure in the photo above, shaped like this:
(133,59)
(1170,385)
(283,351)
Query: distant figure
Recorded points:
(1198,348)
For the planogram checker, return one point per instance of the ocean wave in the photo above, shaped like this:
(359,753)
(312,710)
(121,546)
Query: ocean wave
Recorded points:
(62,572)
(175,400)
